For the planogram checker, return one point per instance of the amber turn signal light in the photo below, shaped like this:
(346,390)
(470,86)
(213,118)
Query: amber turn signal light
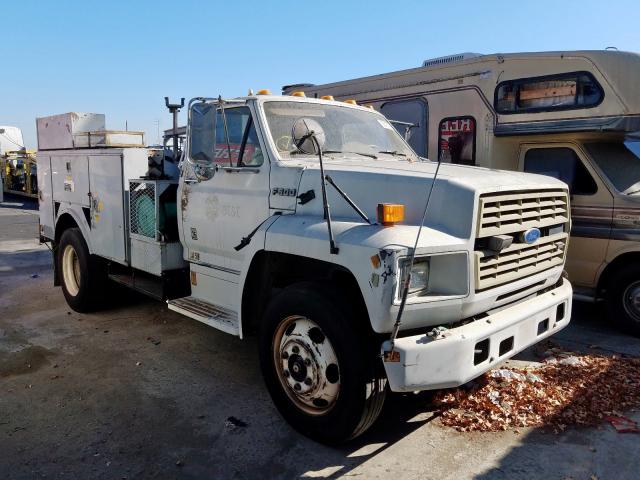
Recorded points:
(390,213)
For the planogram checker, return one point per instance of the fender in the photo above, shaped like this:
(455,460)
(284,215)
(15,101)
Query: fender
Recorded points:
(369,252)
(80,220)
(256,245)
(364,252)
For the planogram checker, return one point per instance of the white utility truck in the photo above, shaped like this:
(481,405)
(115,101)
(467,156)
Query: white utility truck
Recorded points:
(312,223)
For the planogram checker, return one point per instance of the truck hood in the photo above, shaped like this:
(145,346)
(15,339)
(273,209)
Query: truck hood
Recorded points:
(457,188)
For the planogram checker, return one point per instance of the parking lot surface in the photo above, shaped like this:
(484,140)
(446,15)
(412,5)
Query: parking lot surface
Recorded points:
(137,391)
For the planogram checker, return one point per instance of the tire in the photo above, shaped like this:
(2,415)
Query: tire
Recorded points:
(623,298)
(341,361)
(82,277)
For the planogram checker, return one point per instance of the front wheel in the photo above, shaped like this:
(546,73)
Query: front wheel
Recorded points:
(323,373)
(623,298)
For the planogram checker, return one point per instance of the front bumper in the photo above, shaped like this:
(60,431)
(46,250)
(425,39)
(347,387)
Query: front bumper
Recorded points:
(463,353)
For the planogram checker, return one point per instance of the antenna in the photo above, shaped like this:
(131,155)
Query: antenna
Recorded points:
(156,122)
(406,281)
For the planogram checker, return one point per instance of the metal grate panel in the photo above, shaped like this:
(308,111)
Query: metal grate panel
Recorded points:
(143,209)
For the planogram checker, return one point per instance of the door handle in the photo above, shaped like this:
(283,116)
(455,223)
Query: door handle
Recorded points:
(190,180)
(238,169)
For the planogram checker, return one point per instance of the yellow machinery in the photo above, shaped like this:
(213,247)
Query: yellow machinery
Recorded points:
(19,173)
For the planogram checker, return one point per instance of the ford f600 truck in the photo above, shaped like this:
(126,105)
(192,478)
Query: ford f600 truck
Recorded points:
(296,219)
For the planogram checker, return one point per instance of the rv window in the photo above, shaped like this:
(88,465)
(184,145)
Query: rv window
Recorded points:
(563,164)
(553,92)
(457,141)
(412,111)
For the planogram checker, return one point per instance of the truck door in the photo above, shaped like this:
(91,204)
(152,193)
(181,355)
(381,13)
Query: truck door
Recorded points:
(591,205)
(225,188)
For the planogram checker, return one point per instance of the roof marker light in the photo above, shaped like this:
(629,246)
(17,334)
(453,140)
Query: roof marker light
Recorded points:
(327,97)
(264,91)
(298,94)
(351,101)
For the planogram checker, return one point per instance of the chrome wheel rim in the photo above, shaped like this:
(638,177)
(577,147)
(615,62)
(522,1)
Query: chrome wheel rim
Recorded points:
(71,270)
(631,300)
(306,365)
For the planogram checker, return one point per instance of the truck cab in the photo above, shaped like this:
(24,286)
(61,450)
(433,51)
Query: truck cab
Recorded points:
(311,223)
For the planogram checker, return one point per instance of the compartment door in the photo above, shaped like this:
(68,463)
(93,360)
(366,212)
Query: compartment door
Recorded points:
(69,179)
(45,197)
(106,208)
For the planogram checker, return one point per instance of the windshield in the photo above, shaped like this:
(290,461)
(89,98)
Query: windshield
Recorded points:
(620,162)
(348,130)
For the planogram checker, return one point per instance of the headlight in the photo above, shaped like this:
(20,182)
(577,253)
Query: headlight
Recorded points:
(434,276)
(419,275)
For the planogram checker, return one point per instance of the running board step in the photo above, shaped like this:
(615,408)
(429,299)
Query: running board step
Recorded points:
(205,312)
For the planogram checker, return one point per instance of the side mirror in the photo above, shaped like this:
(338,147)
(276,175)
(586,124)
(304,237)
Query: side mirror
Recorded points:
(202,133)
(303,133)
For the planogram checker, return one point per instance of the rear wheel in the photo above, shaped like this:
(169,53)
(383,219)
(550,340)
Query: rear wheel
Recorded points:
(623,298)
(82,278)
(323,373)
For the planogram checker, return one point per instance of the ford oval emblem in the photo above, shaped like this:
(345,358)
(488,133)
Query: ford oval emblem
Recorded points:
(531,236)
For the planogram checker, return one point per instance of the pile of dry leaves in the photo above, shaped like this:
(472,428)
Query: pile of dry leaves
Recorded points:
(567,389)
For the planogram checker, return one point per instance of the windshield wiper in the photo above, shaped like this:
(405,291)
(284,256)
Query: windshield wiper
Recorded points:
(633,192)
(394,153)
(370,155)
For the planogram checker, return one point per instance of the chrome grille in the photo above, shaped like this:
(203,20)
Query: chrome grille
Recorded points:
(512,213)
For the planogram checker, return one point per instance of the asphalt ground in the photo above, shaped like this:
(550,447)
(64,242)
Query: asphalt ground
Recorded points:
(137,391)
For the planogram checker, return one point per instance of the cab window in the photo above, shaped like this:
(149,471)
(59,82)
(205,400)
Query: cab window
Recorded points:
(564,164)
(243,149)
(620,162)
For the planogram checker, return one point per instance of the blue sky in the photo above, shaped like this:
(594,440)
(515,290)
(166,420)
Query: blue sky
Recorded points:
(122,57)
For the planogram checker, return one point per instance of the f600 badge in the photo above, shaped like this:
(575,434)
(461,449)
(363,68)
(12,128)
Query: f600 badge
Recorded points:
(285,192)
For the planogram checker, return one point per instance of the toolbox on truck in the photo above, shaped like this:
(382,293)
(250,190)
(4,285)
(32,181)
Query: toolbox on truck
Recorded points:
(91,187)
(57,131)
(87,178)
